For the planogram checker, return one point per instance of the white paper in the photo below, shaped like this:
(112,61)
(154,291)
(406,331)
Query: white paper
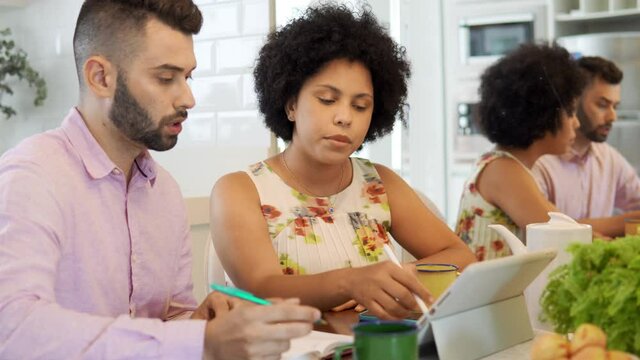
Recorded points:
(315,345)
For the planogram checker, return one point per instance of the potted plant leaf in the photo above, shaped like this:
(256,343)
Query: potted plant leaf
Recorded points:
(14,63)
(601,286)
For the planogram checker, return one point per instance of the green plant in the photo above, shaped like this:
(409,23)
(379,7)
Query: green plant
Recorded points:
(601,285)
(13,62)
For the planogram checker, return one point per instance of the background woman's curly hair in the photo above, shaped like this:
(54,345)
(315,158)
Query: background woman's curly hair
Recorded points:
(522,94)
(324,33)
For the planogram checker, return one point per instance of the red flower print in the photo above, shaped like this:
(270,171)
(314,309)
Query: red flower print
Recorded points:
(478,211)
(327,219)
(374,188)
(322,202)
(317,211)
(299,224)
(472,188)
(383,233)
(466,223)
(270,212)
(288,271)
(497,245)
(480,253)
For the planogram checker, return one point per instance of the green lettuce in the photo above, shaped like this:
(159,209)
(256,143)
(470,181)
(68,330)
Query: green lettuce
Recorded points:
(601,285)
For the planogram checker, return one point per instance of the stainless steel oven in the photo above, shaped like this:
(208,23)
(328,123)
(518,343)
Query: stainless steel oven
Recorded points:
(487,30)
(482,31)
(486,38)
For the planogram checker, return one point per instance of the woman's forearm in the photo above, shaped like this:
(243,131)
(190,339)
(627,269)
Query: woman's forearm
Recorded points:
(324,290)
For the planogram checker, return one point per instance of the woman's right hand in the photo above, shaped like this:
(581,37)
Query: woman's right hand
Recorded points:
(351,304)
(386,289)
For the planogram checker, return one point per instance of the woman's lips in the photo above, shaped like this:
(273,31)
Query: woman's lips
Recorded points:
(339,138)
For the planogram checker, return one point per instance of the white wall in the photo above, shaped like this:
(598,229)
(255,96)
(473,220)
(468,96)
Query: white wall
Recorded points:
(44,29)
(421,34)
(224,132)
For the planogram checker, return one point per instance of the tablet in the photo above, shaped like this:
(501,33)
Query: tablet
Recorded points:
(491,281)
(484,283)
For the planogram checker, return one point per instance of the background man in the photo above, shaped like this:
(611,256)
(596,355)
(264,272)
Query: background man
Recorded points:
(95,256)
(593,180)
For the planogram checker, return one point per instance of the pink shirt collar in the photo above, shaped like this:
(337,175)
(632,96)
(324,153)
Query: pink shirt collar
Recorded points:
(578,157)
(95,159)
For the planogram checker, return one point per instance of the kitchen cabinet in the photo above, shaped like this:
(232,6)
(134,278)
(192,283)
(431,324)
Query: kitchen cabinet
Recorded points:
(573,17)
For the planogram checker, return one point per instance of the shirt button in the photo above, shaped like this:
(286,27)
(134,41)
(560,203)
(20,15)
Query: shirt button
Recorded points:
(134,258)
(116,172)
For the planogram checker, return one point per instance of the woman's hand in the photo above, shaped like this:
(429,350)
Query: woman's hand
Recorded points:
(351,304)
(387,290)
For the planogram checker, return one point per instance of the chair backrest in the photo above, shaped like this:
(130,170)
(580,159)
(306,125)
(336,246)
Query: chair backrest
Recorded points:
(214,272)
(406,256)
(430,204)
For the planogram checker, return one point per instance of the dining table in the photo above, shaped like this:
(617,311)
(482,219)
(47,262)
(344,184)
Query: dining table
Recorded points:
(342,322)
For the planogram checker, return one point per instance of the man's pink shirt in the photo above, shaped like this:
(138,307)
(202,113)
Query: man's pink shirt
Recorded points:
(91,267)
(591,185)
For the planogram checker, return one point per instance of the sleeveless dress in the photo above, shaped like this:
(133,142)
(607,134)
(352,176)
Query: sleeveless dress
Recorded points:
(476,213)
(317,234)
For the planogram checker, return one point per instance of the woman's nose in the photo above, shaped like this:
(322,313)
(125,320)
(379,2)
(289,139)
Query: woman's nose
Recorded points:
(343,116)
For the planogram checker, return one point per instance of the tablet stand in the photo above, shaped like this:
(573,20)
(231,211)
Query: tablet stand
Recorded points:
(485,330)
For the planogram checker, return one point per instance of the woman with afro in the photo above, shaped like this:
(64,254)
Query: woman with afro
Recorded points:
(310,222)
(527,109)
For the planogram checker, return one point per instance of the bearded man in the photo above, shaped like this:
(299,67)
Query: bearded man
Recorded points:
(593,180)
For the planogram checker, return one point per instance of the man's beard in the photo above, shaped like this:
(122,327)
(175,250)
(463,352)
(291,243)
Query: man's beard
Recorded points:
(588,130)
(135,122)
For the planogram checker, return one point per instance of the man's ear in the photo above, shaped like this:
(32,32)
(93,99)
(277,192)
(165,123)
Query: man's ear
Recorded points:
(100,76)
(290,109)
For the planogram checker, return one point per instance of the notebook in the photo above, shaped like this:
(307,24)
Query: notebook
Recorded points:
(316,345)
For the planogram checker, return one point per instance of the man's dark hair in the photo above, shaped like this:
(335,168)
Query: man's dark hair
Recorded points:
(523,94)
(113,28)
(324,33)
(596,67)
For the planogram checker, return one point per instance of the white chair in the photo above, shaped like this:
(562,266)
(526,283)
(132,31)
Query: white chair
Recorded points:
(406,256)
(430,204)
(213,270)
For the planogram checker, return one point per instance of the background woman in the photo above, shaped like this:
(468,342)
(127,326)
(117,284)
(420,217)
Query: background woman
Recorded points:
(310,222)
(527,108)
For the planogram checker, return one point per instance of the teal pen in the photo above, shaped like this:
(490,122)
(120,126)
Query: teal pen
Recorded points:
(245,295)
(240,294)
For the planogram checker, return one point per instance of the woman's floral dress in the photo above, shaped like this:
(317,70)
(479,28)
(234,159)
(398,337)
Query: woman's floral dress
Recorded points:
(316,234)
(476,213)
